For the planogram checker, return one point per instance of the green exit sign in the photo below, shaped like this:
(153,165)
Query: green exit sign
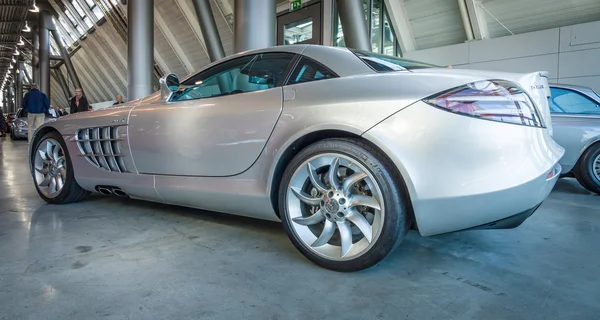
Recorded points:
(295,5)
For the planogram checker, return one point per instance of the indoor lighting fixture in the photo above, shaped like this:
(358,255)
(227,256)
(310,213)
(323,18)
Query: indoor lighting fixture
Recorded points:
(26,29)
(13,60)
(21,43)
(16,52)
(34,8)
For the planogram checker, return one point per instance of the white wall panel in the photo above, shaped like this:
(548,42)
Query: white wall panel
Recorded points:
(448,55)
(579,63)
(547,62)
(592,82)
(523,45)
(580,37)
(549,50)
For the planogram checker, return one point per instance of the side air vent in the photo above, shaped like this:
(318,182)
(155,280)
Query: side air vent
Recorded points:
(101,146)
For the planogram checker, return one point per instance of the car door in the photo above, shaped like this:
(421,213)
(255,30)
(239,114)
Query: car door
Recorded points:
(217,124)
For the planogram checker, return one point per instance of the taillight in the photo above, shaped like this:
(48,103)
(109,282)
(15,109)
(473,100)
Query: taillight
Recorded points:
(496,100)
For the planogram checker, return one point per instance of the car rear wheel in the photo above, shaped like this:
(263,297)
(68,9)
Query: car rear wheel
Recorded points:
(587,171)
(52,171)
(341,205)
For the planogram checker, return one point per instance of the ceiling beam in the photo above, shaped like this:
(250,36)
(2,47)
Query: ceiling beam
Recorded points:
(477,19)
(401,25)
(170,37)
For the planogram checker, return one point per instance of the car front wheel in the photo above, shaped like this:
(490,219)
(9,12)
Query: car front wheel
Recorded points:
(341,205)
(587,171)
(53,171)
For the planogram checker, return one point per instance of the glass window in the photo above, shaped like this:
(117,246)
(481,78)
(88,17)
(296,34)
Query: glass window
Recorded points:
(389,39)
(384,63)
(88,22)
(90,3)
(245,74)
(309,70)
(568,101)
(71,17)
(98,12)
(298,31)
(376,26)
(78,8)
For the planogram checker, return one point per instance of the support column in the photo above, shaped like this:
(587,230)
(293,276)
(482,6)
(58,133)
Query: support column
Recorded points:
(35,41)
(140,48)
(255,24)
(67,61)
(354,24)
(209,29)
(19,86)
(11,105)
(4,101)
(44,52)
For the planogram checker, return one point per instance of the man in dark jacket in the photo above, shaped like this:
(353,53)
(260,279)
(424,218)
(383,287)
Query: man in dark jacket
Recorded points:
(79,103)
(36,104)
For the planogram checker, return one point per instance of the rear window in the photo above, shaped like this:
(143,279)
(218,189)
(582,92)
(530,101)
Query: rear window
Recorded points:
(384,63)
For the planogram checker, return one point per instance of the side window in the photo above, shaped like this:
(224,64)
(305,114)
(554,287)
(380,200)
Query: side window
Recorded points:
(309,70)
(567,101)
(245,74)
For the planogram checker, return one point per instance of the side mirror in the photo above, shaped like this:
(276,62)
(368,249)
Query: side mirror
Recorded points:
(169,83)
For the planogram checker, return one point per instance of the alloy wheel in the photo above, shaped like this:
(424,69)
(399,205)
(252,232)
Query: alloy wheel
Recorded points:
(50,168)
(335,206)
(596,167)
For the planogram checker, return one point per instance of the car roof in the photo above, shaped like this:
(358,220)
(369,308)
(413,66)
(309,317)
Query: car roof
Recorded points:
(569,86)
(581,89)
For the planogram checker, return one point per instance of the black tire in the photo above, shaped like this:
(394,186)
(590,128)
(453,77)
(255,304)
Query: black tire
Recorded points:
(71,191)
(584,170)
(397,219)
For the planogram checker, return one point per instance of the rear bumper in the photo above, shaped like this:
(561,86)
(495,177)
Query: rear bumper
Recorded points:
(462,172)
(507,223)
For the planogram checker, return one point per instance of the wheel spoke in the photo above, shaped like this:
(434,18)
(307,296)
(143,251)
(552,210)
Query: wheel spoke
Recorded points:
(363,225)
(60,162)
(46,181)
(63,172)
(56,151)
(351,180)
(332,173)
(346,236)
(305,198)
(360,200)
(43,155)
(52,185)
(326,235)
(43,170)
(59,182)
(314,178)
(49,152)
(310,220)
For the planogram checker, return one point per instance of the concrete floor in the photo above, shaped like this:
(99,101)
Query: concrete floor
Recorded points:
(112,258)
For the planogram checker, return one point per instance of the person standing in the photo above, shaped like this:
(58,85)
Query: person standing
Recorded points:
(79,103)
(119,100)
(36,104)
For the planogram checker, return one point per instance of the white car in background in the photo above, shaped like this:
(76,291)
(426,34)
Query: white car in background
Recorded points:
(576,121)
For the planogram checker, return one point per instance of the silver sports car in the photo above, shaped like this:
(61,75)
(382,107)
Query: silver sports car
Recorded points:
(576,122)
(348,149)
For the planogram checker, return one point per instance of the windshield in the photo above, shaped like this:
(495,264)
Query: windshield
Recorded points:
(384,63)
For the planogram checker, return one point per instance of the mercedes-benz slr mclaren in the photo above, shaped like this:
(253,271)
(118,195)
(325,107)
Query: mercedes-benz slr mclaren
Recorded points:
(348,149)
